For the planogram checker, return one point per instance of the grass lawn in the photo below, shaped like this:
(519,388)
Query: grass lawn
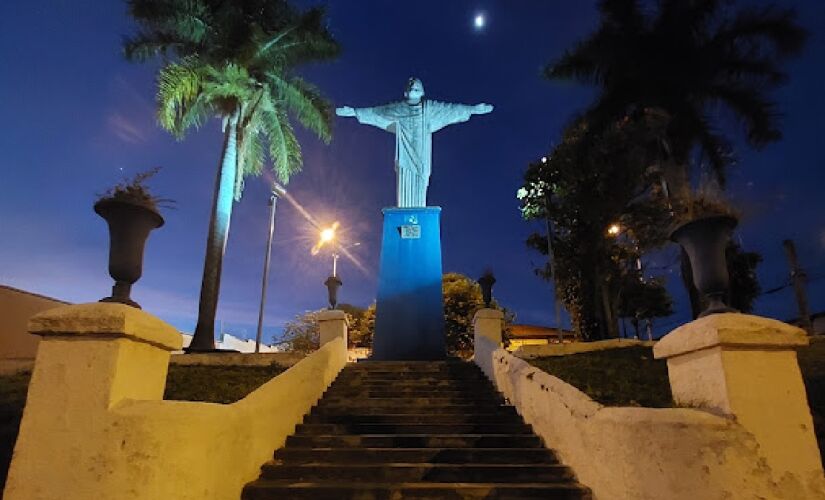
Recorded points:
(629,376)
(215,384)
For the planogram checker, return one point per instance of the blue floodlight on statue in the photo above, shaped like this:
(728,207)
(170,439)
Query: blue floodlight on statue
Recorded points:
(409,321)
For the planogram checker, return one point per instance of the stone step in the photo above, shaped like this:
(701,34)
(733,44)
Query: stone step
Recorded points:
(394,428)
(391,430)
(341,393)
(277,490)
(415,441)
(411,375)
(443,368)
(475,387)
(327,409)
(416,455)
(367,363)
(498,417)
(430,402)
(405,473)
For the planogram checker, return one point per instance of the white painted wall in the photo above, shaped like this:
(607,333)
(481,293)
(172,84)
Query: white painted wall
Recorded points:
(640,453)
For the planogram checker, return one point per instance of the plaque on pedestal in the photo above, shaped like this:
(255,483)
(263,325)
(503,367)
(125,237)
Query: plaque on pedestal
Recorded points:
(409,321)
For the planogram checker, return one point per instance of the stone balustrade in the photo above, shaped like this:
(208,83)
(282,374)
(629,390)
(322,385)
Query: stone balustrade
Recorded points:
(747,432)
(95,425)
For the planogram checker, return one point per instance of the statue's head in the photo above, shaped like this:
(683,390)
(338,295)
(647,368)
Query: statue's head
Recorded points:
(414,91)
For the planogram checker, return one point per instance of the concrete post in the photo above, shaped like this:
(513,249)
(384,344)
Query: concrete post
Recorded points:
(333,324)
(746,367)
(90,357)
(489,323)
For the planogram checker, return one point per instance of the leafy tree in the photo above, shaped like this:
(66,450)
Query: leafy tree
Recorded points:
(642,299)
(744,285)
(234,61)
(692,59)
(302,334)
(688,58)
(462,299)
(362,324)
(585,185)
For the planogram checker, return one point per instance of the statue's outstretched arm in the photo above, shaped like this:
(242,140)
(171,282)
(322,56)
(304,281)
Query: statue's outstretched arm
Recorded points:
(443,114)
(378,116)
(482,109)
(345,111)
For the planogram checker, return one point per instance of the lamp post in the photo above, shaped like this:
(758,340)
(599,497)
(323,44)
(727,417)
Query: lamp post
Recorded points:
(327,237)
(277,191)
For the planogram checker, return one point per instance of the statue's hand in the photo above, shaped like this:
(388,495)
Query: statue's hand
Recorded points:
(483,108)
(345,111)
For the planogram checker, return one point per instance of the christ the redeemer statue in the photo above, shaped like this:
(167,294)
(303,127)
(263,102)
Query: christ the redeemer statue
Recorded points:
(413,122)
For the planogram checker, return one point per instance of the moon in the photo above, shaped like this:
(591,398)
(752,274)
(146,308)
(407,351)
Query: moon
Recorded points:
(479,21)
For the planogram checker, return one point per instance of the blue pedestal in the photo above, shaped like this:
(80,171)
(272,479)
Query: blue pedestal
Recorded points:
(409,318)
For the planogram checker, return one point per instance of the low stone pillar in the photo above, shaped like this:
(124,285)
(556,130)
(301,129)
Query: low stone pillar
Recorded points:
(745,366)
(90,357)
(489,323)
(333,324)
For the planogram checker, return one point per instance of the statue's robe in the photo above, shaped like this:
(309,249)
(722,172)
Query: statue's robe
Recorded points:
(413,126)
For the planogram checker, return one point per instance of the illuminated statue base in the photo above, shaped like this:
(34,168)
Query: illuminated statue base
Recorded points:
(409,321)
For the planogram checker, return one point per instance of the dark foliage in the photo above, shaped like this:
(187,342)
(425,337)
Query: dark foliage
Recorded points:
(690,58)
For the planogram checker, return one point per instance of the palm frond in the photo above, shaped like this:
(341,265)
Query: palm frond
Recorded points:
(758,114)
(284,150)
(584,63)
(179,86)
(753,69)
(166,25)
(624,15)
(229,82)
(692,16)
(316,42)
(145,45)
(311,109)
(713,147)
(251,157)
(196,113)
(777,27)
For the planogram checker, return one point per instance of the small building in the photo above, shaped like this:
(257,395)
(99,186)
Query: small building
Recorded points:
(17,347)
(523,335)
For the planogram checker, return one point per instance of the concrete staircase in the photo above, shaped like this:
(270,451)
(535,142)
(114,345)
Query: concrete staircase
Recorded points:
(420,429)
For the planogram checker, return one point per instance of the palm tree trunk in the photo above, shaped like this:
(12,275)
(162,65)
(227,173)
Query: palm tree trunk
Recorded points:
(204,339)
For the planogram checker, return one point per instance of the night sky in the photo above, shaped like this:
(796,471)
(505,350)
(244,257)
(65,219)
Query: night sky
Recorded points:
(77,118)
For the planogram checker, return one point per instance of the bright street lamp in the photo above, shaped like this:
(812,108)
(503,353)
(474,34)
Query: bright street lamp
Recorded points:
(327,236)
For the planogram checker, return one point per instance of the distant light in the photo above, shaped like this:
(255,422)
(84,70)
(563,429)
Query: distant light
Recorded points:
(479,21)
(614,229)
(544,159)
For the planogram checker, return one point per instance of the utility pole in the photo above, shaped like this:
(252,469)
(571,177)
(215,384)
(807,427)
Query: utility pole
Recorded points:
(798,278)
(552,264)
(277,190)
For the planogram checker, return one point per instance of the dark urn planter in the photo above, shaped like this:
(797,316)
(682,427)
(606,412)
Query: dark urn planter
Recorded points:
(333,283)
(486,282)
(129,227)
(705,240)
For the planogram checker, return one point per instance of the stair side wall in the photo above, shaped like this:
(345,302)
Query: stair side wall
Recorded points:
(638,453)
(95,425)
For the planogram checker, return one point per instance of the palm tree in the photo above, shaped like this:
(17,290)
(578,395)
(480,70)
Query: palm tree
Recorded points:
(235,61)
(690,58)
